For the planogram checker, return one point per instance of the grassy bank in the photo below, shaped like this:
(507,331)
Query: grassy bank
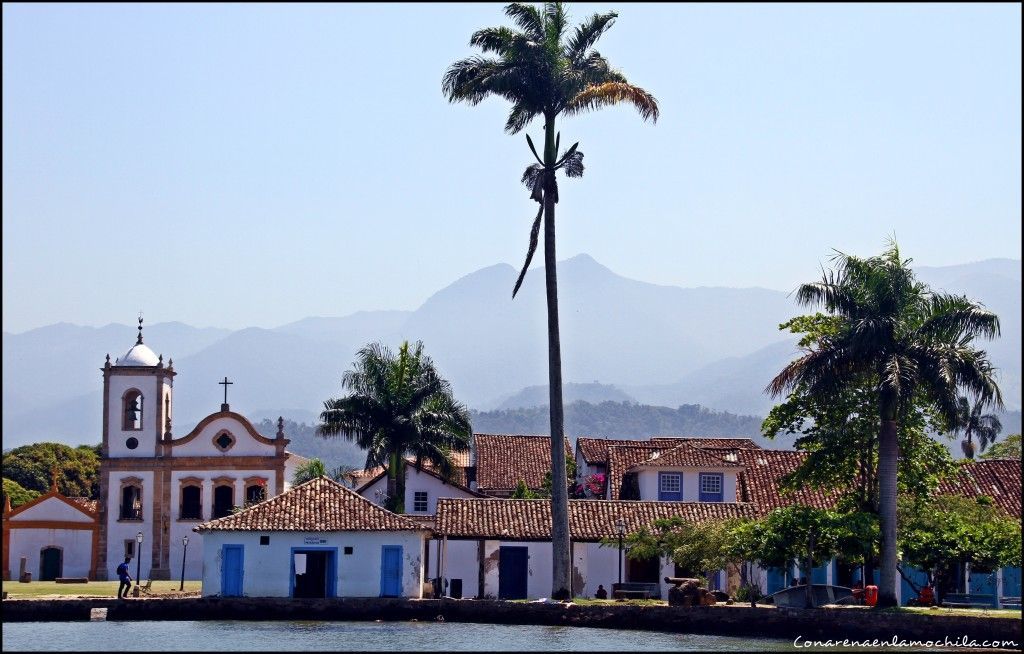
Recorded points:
(16,590)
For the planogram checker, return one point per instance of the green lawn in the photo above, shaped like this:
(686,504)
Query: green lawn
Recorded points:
(17,590)
(983,613)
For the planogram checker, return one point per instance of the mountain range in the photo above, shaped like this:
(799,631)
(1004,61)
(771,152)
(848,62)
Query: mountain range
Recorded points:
(622,340)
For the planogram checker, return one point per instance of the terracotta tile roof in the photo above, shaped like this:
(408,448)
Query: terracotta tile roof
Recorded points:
(684,455)
(620,459)
(759,481)
(360,478)
(997,478)
(503,459)
(595,450)
(589,520)
(728,442)
(317,505)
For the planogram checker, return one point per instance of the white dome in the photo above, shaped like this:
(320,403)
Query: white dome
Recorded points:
(139,355)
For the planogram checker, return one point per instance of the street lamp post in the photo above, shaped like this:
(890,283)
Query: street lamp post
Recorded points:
(184,544)
(138,563)
(620,529)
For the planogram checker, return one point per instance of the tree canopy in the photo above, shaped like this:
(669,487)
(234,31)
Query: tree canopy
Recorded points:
(398,405)
(1008,448)
(31,466)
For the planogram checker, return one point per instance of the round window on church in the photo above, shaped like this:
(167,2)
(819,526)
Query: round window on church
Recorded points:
(224,440)
(132,443)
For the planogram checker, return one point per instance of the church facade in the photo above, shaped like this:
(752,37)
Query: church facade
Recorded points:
(155,487)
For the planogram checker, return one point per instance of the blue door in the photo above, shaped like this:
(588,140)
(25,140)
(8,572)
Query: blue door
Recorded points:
(819,575)
(513,568)
(776,580)
(1011,582)
(391,571)
(231,571)
(984,583)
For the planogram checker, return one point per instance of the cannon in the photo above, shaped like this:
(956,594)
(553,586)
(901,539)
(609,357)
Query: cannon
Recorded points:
(687,591)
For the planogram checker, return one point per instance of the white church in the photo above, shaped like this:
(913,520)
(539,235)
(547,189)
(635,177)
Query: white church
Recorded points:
(154,487)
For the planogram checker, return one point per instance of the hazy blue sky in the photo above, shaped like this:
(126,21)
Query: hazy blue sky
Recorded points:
(253,165)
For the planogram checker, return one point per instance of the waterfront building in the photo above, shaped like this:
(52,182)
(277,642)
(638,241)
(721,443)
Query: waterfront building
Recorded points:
(318,539)
(160,486)
(57,537)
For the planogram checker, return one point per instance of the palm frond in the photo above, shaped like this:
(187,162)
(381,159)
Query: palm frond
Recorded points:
(612,93)
(528,18)
(587,34)
(573,164)
(534,232)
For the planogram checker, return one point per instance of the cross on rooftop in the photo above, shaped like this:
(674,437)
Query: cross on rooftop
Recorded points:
(225,384)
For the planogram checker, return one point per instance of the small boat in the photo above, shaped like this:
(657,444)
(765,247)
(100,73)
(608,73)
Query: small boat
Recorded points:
(796,596)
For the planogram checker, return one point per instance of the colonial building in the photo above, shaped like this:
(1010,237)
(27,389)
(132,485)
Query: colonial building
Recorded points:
(154,487)
(318,539)
(56,536)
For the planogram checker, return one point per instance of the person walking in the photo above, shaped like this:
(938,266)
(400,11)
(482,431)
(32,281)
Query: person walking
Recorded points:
(125,577)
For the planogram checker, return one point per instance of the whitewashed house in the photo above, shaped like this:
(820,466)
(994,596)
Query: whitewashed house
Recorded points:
(56,535)
(318,539)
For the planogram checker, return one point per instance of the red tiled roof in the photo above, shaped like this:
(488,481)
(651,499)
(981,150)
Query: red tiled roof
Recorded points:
(363,481)
(685,455)
(759,481)
(360,478)
(595,450)
(317,505)
(589,520)
(620,459)
(728,442)
(997,478)
(503,459)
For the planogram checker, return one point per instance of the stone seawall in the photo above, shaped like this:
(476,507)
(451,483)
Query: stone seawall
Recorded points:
(819,624)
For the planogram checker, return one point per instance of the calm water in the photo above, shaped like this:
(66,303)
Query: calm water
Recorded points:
(348,636)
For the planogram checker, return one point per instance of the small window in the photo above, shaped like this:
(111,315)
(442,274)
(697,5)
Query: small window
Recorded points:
(264,540)
(711,487)
(223,501)
(129,548)
(191,503)
(255,493)
(131,503)
(419,501)
(348,550)
(670,487)
(223,441)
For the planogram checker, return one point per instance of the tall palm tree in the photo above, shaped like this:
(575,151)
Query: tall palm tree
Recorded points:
(915,341)
(972,422)
(398,406)
(545,72)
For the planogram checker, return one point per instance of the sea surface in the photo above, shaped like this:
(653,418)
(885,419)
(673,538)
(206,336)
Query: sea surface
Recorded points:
(231,636)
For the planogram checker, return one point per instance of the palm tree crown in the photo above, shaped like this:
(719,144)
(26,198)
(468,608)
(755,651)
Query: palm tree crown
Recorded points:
(540,72)
(896,328)
(972,422)
(398,406)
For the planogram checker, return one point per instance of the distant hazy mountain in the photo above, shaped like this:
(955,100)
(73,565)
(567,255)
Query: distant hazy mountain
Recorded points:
(594,393)
(659,345)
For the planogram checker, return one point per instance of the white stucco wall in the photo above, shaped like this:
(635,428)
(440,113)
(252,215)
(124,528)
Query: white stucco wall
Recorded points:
(76,545)
(245,444)
(416,481)
(267,568)
(648,481)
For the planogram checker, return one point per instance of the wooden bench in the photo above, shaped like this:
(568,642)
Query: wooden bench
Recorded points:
(969,600)
(630,594)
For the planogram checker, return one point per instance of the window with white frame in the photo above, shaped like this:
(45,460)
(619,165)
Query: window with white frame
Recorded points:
(419,501)
(711,487)
(670,487)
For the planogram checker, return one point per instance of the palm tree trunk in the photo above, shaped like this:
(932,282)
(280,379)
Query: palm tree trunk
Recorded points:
(396,483)
(560,554)
(888,453)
